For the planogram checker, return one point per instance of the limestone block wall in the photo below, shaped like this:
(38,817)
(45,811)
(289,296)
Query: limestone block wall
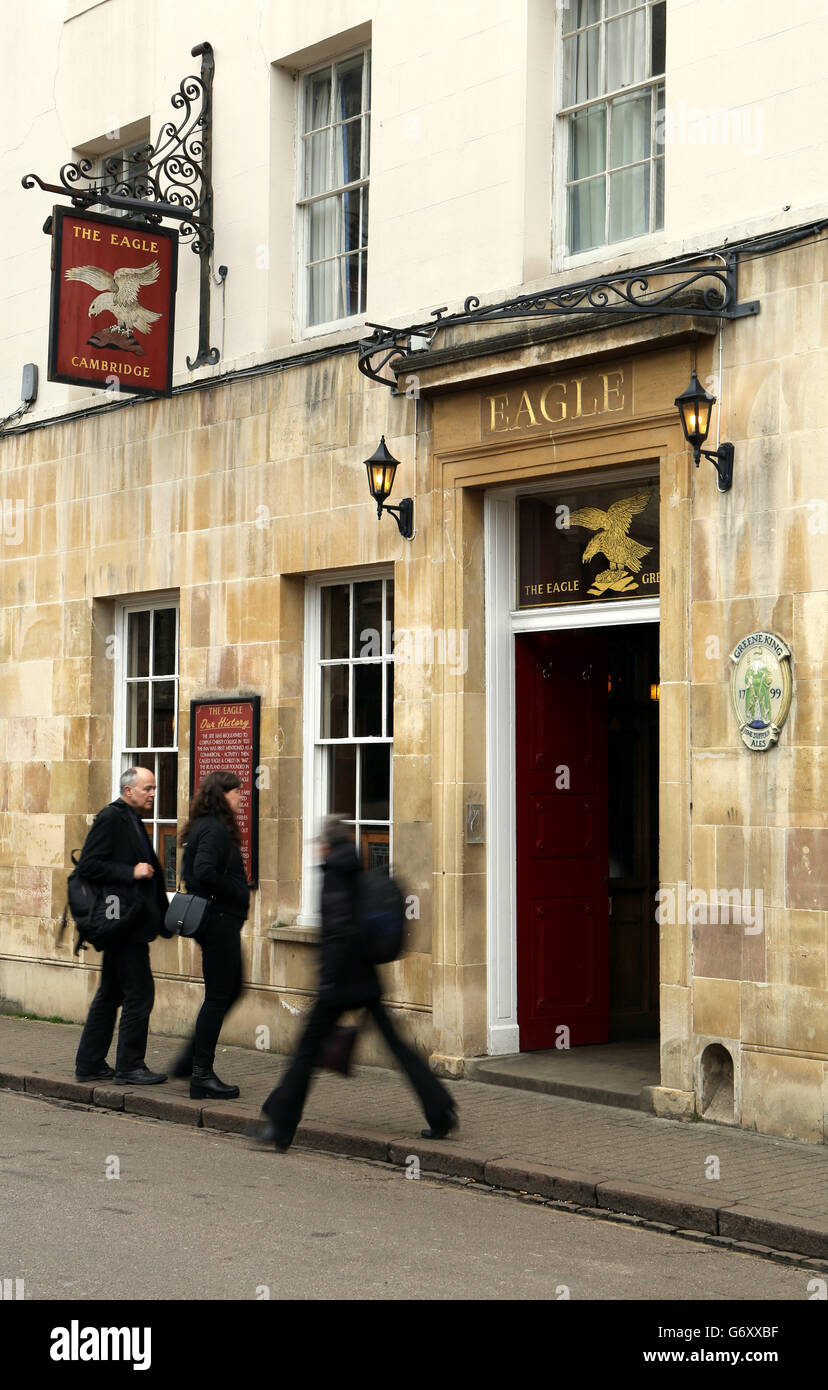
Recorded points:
(227,496)
(759,559)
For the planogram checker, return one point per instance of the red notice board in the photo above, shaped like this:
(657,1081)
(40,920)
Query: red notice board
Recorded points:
(224,737)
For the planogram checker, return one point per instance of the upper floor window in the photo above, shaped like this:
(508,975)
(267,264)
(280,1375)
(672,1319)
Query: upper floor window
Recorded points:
(335,136)
(125,172)
(613,54)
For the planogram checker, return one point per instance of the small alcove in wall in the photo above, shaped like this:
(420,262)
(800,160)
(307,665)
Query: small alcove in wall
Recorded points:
(717,1084)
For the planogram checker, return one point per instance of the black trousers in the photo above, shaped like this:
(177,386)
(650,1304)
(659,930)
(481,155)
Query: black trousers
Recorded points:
(284,1105)
(220,942)
(126,983)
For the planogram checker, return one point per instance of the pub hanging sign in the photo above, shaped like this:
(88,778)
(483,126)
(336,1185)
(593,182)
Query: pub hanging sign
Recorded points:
(589,544)
(113,303)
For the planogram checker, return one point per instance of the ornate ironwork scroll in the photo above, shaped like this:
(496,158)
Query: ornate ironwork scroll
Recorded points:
(701,290)
(170,178)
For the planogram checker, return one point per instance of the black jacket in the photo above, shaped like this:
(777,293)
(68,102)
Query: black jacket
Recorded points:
(212,867)
(114,845)
(345,977)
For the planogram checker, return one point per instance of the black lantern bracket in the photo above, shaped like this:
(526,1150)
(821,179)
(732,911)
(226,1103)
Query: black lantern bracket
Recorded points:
(722,460)
(705,287)
(173,179)
(403,515)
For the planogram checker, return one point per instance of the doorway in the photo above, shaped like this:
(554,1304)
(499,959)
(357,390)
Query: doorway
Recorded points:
(586,786)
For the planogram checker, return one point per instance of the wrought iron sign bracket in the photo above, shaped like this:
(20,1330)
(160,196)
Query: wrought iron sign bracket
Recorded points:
(695,288)
(172,178)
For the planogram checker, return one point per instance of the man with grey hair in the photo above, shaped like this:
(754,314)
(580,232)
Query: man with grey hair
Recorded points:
(118,857)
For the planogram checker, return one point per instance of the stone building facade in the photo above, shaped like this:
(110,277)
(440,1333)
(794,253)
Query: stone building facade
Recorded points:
(240,507)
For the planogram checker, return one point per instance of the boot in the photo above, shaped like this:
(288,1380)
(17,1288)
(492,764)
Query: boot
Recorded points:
(205,1085)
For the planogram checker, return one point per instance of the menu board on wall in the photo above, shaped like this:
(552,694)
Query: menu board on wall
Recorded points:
(589,543)
(224,737)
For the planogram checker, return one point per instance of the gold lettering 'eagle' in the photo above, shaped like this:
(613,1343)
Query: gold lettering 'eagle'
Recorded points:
(611,528)
(120,296)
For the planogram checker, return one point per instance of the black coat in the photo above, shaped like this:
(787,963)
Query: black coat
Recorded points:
(345,977)
(212,867)
(114,845)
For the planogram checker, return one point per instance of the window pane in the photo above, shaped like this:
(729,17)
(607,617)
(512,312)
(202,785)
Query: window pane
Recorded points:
(658,211)
(317,163)
(376,781)
(166,849)
(324,293)
(350,205)
(363,241)
(163,714)
(334,712)
(580,12)
(167,795)
(586,226)
(342,781)
(581,67)
(618,6)
(138,634)
(366,146)
(324,229)
(354,270)
(347,141)
(389,699)
(368,616)
(163,642)
(335,600)
(630,202)
(137,720)
(587,143)
(349,88)
(658,39)
(629,129)
(627,58)
(368,701)
(317,99)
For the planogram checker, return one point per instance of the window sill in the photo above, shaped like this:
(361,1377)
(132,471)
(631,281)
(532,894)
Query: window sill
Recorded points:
(308,936)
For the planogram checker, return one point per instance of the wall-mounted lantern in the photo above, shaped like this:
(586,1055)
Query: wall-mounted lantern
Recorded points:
(382,467)
(695,406)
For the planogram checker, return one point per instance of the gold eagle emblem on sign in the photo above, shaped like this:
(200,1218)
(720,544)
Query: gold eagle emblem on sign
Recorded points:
(611,539)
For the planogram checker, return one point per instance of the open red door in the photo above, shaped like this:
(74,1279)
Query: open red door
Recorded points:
(562,856)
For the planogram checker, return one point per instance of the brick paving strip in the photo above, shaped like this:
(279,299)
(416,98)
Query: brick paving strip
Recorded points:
(771,1195)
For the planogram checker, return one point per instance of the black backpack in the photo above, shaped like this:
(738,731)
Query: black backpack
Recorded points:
(380,912)
(85,903)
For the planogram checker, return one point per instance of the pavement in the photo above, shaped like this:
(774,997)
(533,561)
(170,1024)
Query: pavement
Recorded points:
(728,1187)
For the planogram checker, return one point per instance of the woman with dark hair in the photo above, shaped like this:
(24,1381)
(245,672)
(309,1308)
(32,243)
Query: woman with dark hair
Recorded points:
(213,868)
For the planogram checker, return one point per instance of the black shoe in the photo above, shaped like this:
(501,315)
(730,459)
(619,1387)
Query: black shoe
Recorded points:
(447,1122)
(265,1133)
(140,1076)
(101,1073)
(205,1085)
(182,1065)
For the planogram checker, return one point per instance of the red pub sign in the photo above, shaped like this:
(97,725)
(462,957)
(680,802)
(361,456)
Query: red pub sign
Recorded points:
(224,737)
(113,303)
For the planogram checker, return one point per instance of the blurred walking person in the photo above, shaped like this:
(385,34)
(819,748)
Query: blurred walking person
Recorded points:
(346,981)
(213,868)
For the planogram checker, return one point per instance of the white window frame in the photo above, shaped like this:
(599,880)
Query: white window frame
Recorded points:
(562,253)
(302,220)
(312,809)
(124,608)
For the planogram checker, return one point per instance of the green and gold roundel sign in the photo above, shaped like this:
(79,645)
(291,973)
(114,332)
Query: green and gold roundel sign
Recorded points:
(761,687)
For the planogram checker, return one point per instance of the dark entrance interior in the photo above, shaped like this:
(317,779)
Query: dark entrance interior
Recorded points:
(587,835)
(632,824)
